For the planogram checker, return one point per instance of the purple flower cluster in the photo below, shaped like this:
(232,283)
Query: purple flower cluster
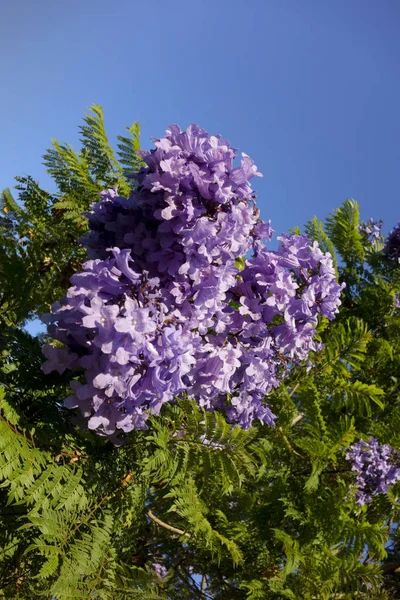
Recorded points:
(371,230)
(159,570)
(375,468)
(392,246)
(168,303)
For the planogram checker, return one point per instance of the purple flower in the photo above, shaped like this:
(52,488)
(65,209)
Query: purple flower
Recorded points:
(164,308)
(375,468)
(159,570)
(392,246)
(371,231)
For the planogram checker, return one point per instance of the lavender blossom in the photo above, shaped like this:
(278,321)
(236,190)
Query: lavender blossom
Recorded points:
(392,246)
(164,306)
(159,570)
(376,468)
(371,230)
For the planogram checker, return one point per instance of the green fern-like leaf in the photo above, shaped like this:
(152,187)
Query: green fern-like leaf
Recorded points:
(342,228)
(347,344)
(358,398)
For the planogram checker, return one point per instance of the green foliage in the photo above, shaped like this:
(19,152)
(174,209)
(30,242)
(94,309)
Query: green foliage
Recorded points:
(39,231)
(259,514)
(342,229)
(223,452)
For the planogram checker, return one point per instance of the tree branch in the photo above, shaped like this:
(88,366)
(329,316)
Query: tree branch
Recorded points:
(296,419)
(203,586)
(166,526)
(288,444)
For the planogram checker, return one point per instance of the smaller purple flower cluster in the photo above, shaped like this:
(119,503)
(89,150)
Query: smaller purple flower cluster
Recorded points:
(375,467)
(159,570)
(392,246)
(371,230)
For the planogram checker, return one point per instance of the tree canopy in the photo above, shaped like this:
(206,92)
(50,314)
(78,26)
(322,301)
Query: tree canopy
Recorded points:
(194,506)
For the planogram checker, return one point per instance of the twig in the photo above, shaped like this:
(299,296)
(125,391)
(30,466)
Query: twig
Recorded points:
(166,526)
(296,419)
(203,586)
(93,588)
(191,583)
(15,430)
(86,519)
(288,444)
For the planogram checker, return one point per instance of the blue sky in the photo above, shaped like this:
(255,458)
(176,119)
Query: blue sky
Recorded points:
(308,88)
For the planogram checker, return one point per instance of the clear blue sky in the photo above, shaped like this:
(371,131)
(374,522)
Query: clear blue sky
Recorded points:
(308,88)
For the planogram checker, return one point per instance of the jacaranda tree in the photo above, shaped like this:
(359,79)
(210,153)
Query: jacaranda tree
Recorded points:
(212,413)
